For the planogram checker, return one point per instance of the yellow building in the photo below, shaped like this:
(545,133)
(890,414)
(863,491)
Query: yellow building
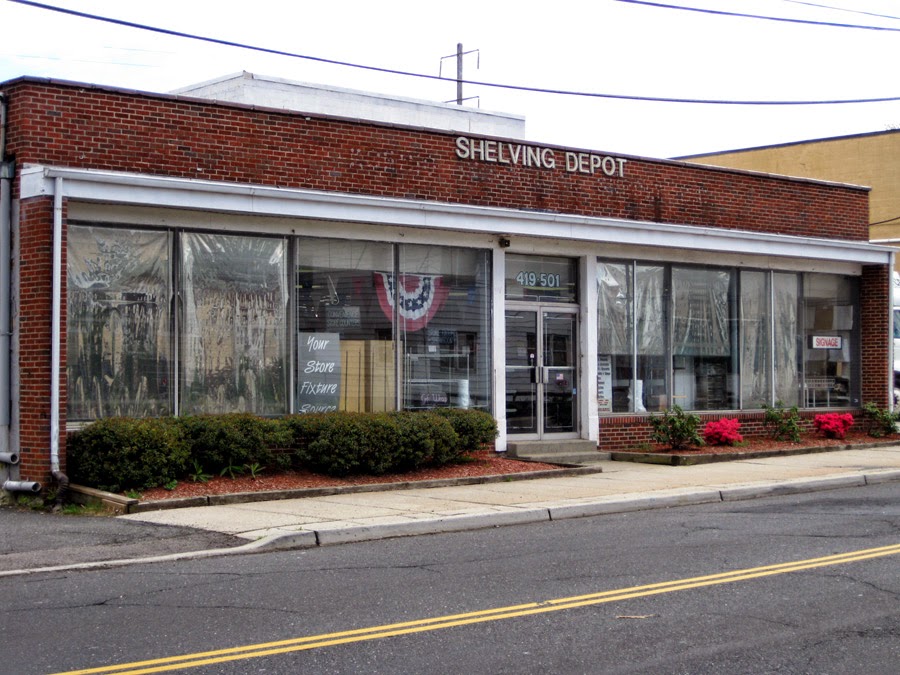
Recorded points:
(871,159)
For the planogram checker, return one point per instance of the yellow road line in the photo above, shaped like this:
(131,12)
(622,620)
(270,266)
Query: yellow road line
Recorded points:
(198,659)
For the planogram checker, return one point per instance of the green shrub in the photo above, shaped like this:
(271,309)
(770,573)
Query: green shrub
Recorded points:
(676,428)
(122,453)
(340,444)
(475,428)
(783,425)
(879,422)
(426,439)
(218,442)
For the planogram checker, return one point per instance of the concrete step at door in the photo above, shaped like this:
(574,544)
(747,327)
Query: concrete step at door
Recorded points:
(569,451)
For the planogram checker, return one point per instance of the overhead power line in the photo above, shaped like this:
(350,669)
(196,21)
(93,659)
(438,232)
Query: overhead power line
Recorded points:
(496,85)
(842,9)
(759,16)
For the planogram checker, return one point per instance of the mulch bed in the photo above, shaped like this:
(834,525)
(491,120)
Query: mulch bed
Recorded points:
(489,463)
(483,463)
(752,447)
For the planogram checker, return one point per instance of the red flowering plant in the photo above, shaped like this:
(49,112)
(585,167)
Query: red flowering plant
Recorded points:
(725,431)
(833,425)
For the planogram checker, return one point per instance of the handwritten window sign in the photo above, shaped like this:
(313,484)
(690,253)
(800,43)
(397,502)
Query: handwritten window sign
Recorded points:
(319,379)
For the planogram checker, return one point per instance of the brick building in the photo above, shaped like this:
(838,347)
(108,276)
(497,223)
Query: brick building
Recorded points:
(168,254)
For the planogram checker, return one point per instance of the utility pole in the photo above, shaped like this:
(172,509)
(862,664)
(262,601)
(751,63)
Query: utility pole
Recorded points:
(459,73)
(459,70)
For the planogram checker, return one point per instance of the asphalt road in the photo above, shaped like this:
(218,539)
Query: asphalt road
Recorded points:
(30,539)
(627,593)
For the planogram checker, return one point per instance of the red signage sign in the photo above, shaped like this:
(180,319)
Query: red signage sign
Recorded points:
(826,342)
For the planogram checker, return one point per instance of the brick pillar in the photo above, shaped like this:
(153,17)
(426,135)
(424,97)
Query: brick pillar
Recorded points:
(32,310)
(876,335)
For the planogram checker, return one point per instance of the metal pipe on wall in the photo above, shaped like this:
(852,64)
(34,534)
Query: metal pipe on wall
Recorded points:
(8,458)
(6,175)
(55,332)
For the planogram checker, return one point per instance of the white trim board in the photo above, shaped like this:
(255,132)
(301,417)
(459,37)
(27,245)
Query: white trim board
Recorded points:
(211,196)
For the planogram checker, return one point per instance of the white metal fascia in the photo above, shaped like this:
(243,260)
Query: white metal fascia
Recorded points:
(161,191)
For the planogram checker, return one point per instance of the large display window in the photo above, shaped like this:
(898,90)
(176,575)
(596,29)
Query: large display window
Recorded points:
(443,301)
(706,338)
(118,323)
(383,325)
(345,326)
(756,339)
(373,326)
(233,324)
(786,328)
(704,335)
(829,303)
(632,313)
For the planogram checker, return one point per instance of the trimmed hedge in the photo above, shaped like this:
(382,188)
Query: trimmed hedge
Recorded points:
(475,428)
(220,442)
(121,453)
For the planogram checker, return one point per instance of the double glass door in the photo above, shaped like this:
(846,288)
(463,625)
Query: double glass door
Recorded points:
(541,372)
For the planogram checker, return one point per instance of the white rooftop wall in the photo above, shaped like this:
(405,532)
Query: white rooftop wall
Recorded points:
(270,92)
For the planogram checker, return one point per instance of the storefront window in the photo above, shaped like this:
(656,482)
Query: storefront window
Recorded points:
(631,304)
(444,321)
(615,343)
(651,317)
(828,302)
(345,324)
(118,337)
(787,356)
(703,332)
(756,357)
(234,321)
(356,302)
(709,356)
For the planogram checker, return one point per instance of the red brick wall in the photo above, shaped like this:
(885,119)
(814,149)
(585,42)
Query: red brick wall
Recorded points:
(79,126)
(634,433)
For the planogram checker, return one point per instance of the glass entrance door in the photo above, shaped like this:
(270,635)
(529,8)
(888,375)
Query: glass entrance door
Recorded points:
(541,372)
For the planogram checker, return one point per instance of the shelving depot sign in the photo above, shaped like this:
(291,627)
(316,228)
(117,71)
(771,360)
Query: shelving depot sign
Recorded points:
(517,154)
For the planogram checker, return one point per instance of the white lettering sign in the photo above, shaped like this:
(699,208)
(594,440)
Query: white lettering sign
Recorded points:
(503,152)
(318,389)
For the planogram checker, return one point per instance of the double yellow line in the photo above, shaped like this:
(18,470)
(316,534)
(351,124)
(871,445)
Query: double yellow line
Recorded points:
(196,660)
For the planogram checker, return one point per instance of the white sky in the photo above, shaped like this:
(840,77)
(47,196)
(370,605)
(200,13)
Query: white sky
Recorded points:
(586,45)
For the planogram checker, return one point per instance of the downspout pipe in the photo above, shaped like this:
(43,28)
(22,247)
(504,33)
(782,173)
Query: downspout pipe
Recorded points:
(55,332)
(6,175)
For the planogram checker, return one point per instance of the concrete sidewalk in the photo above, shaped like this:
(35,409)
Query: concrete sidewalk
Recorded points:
(315,521)
(622,486)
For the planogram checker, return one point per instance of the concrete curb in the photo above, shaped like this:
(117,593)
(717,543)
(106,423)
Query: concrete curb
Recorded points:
(792,487)
(619,505)
(435,526)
